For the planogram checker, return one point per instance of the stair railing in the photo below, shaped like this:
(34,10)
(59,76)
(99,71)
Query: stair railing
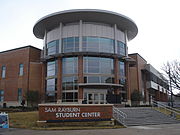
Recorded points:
(119,116)
(172,112)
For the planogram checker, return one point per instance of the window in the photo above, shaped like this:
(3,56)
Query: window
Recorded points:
(98,44)
(3,73)
(98,65)
(98,79)
(69,83)
(51,85)
(52,47)
(51,94)
(98,70)
(122,72)
(70,97)
(1,95)
(70,44)
(21,68)
(121,48)
(51,68)
(19,95)
(69,65)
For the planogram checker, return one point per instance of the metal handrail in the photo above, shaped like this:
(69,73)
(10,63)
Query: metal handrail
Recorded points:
(173,112)
(119,115)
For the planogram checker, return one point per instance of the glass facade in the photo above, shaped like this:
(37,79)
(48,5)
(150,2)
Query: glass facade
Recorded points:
(70,65)
(21,68)
(52,47)
(121,48)
(70,44)
(69,79)
(122,72)
(51,81)
(19,97)
(98,65)
(98,70)
(51,68)
(3,73)
(1,95)
(97,44)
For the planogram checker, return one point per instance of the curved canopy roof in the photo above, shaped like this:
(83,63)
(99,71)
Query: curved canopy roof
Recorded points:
(88,15)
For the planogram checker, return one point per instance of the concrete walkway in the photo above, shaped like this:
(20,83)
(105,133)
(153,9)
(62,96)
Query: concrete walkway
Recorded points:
(165,129)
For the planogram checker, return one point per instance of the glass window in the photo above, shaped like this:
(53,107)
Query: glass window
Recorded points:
(69,65)
(98,65)
(107,66)
(93,79)
(106,45)
(51,85)
(70,44)
(121,48)
(1,95)
(19,95)
(52,47)
(98,44)
(21,68)
(70,97)
(51,68)
(122,72)
(3,73)
(69,83)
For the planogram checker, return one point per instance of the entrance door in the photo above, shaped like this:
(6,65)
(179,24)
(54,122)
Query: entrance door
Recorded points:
(95,98)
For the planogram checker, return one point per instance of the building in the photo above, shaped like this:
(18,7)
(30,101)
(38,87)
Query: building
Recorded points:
(147,80)
(84,60)
(85,56)
(20,72)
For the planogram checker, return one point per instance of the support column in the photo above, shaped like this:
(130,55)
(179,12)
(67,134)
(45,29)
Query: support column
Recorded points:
(116,71)
(80,35)
(116,74)
(43,91)
(128,83)
(80,78)
(59,80)
(60,38)
(45,44)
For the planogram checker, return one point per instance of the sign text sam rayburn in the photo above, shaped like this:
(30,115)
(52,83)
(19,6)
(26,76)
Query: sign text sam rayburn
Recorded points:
(67,112)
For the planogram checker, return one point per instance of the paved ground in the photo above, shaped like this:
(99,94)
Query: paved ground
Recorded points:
(165,129)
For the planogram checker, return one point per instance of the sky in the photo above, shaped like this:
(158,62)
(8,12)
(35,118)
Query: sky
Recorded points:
(158,22)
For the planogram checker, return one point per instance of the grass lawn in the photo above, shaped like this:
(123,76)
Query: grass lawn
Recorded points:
(23,119)
(167,112)
(28,120)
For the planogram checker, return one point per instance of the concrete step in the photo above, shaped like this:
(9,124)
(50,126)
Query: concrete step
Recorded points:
(137,116)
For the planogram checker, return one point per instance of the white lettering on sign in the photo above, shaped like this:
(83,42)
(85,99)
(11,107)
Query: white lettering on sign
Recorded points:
(48,109)
(64,109)
(67,115)
(90,114)
(68,112)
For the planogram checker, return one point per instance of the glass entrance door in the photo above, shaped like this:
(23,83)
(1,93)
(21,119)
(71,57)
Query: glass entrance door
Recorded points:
(95,98)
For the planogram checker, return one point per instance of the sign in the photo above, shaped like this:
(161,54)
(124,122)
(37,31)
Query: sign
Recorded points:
(4,120)
(79,112)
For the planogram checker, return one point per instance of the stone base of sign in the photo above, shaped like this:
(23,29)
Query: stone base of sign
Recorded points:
(75,114)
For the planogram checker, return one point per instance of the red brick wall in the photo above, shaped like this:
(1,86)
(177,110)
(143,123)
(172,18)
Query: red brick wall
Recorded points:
(12,81)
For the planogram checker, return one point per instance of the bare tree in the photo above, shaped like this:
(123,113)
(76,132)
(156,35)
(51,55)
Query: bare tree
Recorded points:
(172,71)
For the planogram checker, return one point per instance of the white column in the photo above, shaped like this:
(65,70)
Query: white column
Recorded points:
(80,35)
(115,38)
(45,42)
(126,41)
(60,37)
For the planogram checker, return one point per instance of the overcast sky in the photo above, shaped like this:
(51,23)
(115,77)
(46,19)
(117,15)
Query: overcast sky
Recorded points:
(158,21)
